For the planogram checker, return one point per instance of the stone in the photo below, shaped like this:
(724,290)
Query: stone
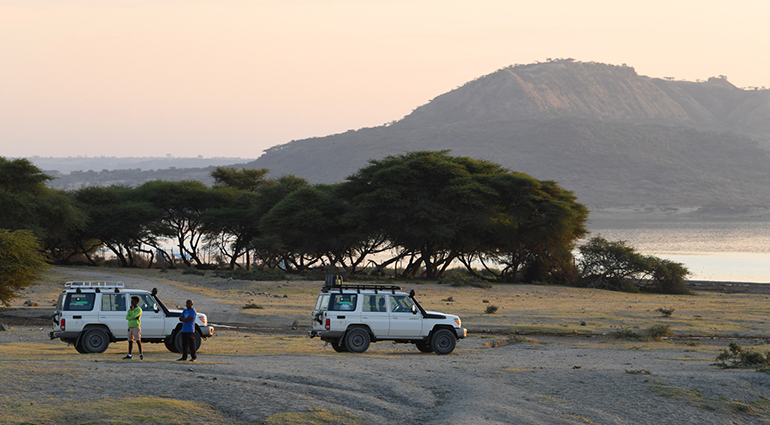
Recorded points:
(3,327)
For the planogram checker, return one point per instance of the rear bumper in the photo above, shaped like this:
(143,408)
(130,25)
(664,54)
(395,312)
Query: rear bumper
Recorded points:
(63,335)
(325,335)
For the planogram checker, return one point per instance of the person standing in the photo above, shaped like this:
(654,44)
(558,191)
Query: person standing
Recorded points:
(188,332)
(134,317)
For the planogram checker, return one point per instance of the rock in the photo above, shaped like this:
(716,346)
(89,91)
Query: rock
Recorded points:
(582,323)
(450,299)
(485,301)
(3,327)
(285,296)
(577,366)
(296,324)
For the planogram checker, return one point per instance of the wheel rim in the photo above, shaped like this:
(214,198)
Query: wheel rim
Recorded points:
(95,341)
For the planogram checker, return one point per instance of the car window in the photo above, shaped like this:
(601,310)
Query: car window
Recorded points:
(400,304)
(374,303)
(342,302)
(113,302)
(322,303)
(79,302)
(146,302)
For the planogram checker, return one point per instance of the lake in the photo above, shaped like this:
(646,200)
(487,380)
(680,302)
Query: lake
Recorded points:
(712,250)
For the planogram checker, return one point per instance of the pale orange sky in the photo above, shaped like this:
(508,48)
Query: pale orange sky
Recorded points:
(231,78)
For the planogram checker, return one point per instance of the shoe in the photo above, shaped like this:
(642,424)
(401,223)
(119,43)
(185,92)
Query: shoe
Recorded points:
(181,359)
(193,360)
(128,357)
(141,357)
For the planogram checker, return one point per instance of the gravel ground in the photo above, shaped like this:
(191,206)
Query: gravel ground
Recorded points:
(562,380)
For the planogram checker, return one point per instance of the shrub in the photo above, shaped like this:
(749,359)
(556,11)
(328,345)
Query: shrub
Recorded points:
(666,311)
(657,332)
(740,358)
(191,270)
(491,309)
(252,305)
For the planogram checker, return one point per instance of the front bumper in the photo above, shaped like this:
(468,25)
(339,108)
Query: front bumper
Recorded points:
(206,331)
(461,333)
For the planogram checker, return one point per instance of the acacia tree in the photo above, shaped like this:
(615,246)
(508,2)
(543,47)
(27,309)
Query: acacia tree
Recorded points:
(26,203)
(425,203)
(245,179)
(615,265)
(21,262)
(182,205)
(535,224)
(118,220)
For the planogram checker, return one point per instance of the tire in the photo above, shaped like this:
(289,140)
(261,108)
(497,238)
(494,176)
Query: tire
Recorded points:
(443,341)
(79,347)
(339,346)
(178,342)
(95,341)
(424,346)
(357,340)
(170,344)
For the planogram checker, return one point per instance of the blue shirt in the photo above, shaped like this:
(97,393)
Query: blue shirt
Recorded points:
(188,326)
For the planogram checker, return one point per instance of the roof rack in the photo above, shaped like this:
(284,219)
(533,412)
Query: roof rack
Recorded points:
(358,288)
(94,284)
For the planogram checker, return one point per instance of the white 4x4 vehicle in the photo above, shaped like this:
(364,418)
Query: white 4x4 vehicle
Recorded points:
(349,317)
(90,315)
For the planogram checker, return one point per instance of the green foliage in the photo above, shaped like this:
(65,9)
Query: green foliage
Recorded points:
(491,309)
(245,179)
(740,358)
(21,262)
(614,265)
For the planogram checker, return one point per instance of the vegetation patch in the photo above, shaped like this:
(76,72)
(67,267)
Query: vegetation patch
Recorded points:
(129,410)
(736,357)
(252,306)
(654,333)
(695,398)
(639,372)
(314,416)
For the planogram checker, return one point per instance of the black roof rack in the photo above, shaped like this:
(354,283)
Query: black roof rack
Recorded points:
(358,288)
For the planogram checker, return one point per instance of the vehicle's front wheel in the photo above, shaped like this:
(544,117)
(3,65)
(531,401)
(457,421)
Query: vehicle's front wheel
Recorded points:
(339,346)
(170,344)
(95,341)
(357,340)
(178,342)
(424,346)
(443,341)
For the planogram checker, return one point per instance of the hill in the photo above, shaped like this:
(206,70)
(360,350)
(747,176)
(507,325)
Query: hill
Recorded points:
(609,134)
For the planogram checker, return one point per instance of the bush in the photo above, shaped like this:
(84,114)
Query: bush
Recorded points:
(256,275)
(657,332)
(666,311)
(654,333)
(491,309)
(191,270)
(740,358)
(252,305)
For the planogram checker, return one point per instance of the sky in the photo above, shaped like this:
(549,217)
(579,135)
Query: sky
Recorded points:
(231,78)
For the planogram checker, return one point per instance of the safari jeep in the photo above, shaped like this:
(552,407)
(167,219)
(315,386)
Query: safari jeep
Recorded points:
(90,315)
(350,317)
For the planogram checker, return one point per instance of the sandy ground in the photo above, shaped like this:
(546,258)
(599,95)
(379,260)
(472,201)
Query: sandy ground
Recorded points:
(561,380)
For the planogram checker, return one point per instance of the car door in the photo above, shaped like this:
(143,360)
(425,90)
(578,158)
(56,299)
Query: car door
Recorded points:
(112,312)
(374,312)
(153,321)
(403,322)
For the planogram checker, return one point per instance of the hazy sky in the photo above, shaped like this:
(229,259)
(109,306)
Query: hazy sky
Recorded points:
(231,78)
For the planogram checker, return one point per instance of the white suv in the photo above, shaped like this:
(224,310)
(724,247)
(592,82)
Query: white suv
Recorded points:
(90,315)
(349,317)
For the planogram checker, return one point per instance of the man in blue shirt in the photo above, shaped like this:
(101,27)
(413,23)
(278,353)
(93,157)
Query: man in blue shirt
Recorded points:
(188,332)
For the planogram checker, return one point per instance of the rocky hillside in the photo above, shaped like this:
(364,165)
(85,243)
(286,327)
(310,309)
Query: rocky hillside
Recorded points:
(609,134)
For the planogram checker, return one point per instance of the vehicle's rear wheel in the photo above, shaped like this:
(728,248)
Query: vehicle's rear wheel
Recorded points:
(178,342)
(443,341)
(339,346)
(424,346)
(79,347)
(357,340)
(95,341)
